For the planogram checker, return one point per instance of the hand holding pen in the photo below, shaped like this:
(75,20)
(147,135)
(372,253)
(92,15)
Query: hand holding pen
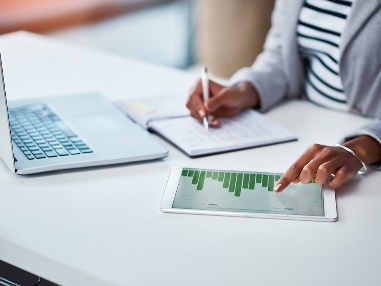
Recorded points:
(209,101)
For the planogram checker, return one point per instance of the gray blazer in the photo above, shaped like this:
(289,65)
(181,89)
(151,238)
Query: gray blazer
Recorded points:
(278,72)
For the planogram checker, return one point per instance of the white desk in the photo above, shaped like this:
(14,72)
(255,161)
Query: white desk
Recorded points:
(102,226)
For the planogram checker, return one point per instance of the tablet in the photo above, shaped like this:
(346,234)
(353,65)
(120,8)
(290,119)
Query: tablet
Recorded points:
(245,194)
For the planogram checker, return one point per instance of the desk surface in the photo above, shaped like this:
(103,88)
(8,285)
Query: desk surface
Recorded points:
(102,226)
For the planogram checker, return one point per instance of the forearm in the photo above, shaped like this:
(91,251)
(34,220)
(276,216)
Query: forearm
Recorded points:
(366,147)
(368,134)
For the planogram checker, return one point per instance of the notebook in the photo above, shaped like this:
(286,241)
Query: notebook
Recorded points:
(68,132)
(168,117)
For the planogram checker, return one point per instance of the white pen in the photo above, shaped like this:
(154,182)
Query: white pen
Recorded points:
(205,91)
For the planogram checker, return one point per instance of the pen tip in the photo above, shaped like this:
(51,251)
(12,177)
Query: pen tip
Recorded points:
(206,124)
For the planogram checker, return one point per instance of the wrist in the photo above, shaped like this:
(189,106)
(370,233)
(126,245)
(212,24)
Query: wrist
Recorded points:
(366,148)
(363,169)
(251,94)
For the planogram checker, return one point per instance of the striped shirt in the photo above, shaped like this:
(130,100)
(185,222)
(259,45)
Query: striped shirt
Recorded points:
(319,30)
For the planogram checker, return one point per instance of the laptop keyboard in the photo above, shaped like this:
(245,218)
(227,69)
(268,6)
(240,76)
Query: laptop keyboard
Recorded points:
(40,133)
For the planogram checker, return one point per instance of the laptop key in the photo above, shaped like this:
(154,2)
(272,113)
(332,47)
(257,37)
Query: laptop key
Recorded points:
(75,139)
(82,145)
(43,145)
(62,152)
(74,152)
(86,150)
(50,154)
(34,149)
(70,148)
(39,156)
(48,148)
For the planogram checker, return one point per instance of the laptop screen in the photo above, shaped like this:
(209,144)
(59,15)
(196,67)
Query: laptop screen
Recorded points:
(6,150)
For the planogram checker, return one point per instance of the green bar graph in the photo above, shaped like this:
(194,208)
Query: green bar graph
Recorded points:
(195,177)
(238,185)
(233,179)
(226,181)
(184,172)
(246,178)
(252,181)
(201,180)
(234,182)
(258,178)
(244,191)
(271,183)
(265,180)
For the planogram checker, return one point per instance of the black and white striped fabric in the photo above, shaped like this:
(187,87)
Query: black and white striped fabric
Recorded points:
(321,23)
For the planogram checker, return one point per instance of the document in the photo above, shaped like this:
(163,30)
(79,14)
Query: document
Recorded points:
(246,130)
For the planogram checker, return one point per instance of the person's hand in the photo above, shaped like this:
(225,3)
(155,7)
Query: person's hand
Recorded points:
(223,101)
(331,163)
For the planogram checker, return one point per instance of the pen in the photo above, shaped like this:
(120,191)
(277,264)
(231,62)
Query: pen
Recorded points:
(205,91)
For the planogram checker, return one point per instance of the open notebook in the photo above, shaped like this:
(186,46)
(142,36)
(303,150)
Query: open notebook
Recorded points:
(168,117)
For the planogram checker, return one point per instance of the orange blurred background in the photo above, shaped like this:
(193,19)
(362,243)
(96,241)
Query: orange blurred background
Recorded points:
(47,15)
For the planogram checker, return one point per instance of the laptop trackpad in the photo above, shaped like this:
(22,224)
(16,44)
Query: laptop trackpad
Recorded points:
(101,122)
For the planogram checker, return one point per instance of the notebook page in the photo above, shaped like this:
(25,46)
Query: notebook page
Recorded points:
(248,129)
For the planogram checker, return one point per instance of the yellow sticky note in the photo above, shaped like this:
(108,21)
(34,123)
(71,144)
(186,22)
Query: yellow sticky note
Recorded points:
(139,107)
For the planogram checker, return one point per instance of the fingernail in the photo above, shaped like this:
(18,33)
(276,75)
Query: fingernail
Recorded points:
(214,122)
(201,113)
(277,187)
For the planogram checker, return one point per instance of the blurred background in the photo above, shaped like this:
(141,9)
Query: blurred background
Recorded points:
(222,34)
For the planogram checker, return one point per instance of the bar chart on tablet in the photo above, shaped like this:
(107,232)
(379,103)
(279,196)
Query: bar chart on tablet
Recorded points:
(245,192)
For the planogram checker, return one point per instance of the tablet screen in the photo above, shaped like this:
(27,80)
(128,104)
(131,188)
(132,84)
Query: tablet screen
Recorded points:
(235,191)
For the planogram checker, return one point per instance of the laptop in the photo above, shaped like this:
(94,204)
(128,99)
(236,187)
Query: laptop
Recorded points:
(66,132)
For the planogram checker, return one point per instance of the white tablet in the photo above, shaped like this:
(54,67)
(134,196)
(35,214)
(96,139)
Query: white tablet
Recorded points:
(245,194)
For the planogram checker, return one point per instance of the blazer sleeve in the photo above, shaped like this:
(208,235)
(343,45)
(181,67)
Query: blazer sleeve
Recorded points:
(267,74)
(373,129)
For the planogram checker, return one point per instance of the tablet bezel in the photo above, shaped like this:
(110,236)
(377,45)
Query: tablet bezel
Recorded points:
(166,205)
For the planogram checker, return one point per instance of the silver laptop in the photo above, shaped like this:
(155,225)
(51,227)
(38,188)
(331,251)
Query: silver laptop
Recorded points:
(67,132)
